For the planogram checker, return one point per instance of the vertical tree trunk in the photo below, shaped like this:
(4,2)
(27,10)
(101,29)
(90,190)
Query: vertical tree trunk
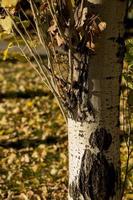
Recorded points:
(94,140)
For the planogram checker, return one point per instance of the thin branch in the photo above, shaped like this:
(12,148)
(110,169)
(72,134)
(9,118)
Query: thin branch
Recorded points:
(130,169)
(43,71)
(42,40)
(45,45)
(30,38)
(39,29)
(70,66)
(128,147)
(130,6)
(28,59)
(53,13)
(32,53)
(26,16)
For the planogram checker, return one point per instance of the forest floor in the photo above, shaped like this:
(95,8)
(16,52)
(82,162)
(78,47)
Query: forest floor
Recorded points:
(33,139)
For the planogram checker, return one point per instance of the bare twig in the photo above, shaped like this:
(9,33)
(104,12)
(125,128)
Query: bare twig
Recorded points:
(128,144)
(53,13)
(44,43)
(30,38)
(26,16)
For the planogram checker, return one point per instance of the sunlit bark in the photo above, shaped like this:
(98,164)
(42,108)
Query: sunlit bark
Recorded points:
(94,141)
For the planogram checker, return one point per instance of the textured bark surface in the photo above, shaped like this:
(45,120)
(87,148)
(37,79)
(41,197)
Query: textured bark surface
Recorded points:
(92,174)
(94,141)
(97,175)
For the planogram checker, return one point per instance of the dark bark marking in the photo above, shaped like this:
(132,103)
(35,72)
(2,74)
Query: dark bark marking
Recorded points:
(81,135)
(110,77)
(74,191)
(86,165)
(101,139)
(102,179)
(121,49)
(72,100)
(79,92)
(97,176)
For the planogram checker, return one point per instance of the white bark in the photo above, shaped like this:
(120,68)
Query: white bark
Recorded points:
(79,134)
(104,75)
(105,100)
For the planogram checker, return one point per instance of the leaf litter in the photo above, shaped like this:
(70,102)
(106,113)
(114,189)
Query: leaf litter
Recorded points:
(33,140)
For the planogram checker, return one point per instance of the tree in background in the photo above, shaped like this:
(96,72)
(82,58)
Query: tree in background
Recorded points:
(83,41)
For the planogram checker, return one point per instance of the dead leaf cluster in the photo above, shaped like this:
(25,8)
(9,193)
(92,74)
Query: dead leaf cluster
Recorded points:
(79,27)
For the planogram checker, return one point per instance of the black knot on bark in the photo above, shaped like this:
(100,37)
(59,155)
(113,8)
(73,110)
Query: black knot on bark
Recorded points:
(102,179)
(101,139)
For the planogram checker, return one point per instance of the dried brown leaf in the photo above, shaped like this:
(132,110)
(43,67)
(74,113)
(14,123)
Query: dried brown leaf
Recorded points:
(83,17)
(80,15)
(60,40)
(90,45)
(53,27)
(102,26)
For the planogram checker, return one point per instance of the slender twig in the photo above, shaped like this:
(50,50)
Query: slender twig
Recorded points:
(42,40)
(42,76)
(56,19)
(130,6)
(55,56)
(41,34)
(26,16)
(30,39)
(130,169)
(32,53)
(128,146)
(70,66)
(28,59)
(36,69)
(43,70)
(45,45)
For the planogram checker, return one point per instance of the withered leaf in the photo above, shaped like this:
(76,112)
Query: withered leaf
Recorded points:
(83,17)
(80,15)
(90,45)
(60,40)
(53,27)
(102,26)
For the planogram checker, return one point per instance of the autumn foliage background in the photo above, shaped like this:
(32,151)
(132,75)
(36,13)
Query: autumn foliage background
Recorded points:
(33,136)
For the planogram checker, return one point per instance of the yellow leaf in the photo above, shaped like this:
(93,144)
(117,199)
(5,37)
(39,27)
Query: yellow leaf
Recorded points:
(29,103)
(6,24)
(5,53)
(9,3)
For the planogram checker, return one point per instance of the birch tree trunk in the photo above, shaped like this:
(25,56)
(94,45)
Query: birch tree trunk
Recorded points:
(94,140)
(90,33)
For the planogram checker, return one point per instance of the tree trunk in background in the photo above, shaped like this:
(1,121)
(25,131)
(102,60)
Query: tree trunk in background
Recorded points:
(94,142)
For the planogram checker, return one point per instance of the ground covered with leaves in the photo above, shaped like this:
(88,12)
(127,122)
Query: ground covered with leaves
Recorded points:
(33,139)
